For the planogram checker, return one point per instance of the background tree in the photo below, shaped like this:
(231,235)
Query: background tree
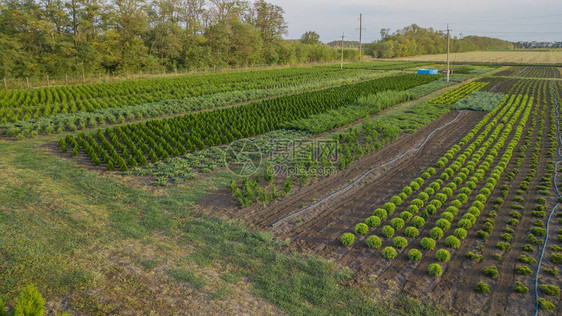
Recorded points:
(310,38)
(65,37)
(414,40)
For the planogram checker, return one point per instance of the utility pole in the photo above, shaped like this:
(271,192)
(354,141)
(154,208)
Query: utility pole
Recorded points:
(342,37)
(360,36)
(448,71)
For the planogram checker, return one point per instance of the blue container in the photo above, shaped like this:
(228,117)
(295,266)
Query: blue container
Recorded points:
(427,71)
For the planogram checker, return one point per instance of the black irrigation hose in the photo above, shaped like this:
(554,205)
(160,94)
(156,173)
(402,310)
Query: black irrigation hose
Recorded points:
(365,174)
(554,177)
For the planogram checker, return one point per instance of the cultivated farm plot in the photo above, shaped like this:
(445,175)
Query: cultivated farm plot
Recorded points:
(461,221)
(445,205)
(531,72)
(521,57)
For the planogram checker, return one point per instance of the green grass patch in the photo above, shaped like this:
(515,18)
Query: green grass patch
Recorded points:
(365,106)
(480,101)
(187,276)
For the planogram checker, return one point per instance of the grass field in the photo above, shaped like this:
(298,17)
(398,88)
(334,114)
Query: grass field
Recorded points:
(518,57)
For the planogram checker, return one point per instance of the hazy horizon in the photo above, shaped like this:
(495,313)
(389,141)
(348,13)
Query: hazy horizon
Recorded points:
(516,20)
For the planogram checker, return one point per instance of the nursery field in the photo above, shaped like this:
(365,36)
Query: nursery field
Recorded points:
(26,113)
(500,57)
(531,72)
(460,219)
(314,190)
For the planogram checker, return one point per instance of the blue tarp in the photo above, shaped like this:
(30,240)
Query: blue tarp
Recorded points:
(427,71)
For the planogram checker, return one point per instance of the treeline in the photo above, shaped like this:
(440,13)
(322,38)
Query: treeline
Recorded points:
(59,37)
(534,44)
(414,40)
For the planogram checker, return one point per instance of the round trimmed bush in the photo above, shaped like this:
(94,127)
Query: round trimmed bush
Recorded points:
(520,288)
(361,229)
(448,216)
(387,231)
(423,196)
(447,191)
(425,175)
(452,186)
(411,232)
(470,184)
(556,257)
(435,185)
(464,223)
(397,223)
(428,243)
(478,205)
(482,198)
(443,224)
(434,269)
(441,197)
(436,203)
(347,239)
(550,289)
(452,209)
(436,233)
(396,200)
(474,211)
(406,216)
(389,207)
(462,197)
(418,221)
(466,191)
(373,221)
(373,241)
(429,191)
(443,255)
(419,181)
(452,242)
(402,195)
(414,185)
(413,208)
(414,255)
(503,245)
(408,190)
(456,203)
(380,213)
(460,233)
(389,253)
(482,288)
(417,202)
(400,242)
(470,217)
(431,209)
(546,305)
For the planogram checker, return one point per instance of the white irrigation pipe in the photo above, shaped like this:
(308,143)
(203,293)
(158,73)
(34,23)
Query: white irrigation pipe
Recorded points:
(557,191)
(365,174)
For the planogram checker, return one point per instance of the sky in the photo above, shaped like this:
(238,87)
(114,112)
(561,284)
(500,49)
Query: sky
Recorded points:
(512,20)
